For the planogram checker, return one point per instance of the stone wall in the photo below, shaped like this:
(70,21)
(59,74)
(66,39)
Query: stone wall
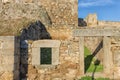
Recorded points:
(62,12)
(64,18)
(68,67)
(9,58)
(19,13)
(14,17)
(68,53)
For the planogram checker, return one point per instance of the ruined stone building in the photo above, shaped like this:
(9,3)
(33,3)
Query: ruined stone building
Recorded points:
(41,40)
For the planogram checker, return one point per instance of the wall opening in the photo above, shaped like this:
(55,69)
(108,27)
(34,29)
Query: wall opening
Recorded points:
(45,56)
(93,54)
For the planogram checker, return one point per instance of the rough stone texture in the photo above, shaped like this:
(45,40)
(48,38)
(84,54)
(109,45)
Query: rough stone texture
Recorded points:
(18,16)
(14,11)
(68,67)
(18,13)
(9,58)
(62,11)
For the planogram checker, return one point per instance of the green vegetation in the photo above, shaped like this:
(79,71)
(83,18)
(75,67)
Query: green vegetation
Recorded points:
(90,78)
(86,78)
(89,62)
(86,51)
(102,79)
(92,67)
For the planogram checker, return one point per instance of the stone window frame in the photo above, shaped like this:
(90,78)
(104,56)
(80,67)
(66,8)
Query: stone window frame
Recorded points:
(36,45)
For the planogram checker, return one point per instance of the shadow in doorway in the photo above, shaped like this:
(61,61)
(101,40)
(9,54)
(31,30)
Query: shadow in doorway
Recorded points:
(16,55)
(35,31)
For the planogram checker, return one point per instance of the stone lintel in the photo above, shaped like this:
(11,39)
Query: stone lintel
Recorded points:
(96,32)
(46,43)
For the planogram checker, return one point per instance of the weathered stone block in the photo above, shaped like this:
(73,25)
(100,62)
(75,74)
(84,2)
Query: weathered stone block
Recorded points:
(6,67)
(7,38)
(7,59)
(36,56)
(7,42)
(96,32)
(46,43)
(55,56)
(9,63)
(8,45)
(7,52)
